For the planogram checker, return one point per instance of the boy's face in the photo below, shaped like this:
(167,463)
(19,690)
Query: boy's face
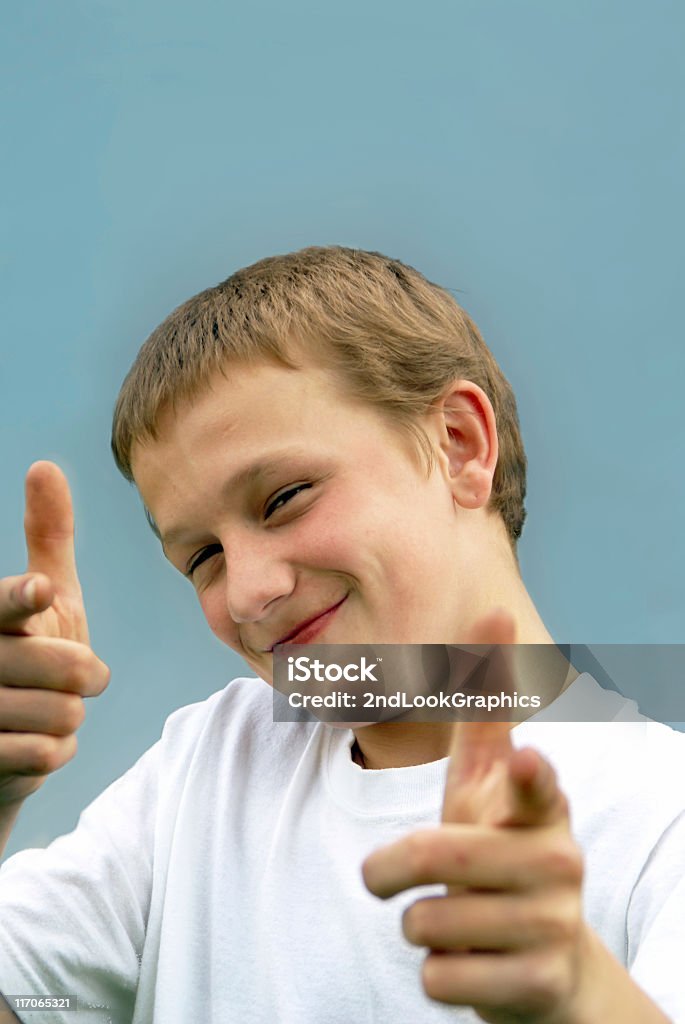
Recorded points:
(286,502)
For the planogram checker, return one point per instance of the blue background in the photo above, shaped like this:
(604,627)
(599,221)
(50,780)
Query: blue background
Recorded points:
(529,155)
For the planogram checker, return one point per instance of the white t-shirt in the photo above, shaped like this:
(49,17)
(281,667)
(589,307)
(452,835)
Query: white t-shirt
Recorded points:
(219,879)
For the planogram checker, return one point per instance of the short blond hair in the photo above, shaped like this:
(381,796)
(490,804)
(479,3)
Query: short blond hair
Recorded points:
(395,339)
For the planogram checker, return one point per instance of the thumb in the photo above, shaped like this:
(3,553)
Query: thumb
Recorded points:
(480,751)
(49,528)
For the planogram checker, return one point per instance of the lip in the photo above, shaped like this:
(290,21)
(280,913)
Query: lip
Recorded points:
(307,630)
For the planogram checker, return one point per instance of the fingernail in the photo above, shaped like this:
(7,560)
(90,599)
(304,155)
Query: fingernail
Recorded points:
(28,593)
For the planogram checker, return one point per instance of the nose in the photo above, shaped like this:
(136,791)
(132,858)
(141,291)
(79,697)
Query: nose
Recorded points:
(256,576)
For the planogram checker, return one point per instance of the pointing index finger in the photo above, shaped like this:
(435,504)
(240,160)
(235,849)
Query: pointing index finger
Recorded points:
(480,752)
(49,526)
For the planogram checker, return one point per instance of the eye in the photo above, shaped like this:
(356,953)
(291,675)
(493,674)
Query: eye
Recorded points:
(201,557)
(284,497)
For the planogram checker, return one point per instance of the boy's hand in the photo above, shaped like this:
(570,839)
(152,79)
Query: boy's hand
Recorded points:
(509,937)
(46,664)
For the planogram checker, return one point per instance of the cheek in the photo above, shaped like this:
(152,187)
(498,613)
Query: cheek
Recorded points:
(325,539)
(417,558)
(213,604)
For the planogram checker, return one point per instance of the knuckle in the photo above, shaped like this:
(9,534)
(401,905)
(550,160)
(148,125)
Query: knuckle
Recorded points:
(414,924)
(104,674)
(433,977)
(546,984)
(44,756)
(80,668)
(73,713)
(558,922)
(69,748)
(429,977)
(562,859)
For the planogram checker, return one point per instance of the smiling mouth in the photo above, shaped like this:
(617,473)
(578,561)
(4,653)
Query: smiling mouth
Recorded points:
(308,630)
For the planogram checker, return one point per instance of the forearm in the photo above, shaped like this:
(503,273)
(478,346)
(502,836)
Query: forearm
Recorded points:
(7,1014)
(8,817)
(608,993)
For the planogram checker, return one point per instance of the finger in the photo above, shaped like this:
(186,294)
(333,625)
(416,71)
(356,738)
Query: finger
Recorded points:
(49,527)
(52,663)
(47,712)
(489,921)
(536,796)
(20,598)
(477,746)
(25,753)
(474,857)
(533,982)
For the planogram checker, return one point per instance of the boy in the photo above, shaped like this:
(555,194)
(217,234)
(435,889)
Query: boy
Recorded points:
(327,450)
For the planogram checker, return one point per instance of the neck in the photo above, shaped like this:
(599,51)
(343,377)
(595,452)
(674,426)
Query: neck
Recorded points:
(401,745)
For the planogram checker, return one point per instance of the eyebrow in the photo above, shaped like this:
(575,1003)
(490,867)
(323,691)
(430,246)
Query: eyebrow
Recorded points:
(256,471)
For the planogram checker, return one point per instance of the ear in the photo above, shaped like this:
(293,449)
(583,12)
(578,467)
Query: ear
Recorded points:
(467,436)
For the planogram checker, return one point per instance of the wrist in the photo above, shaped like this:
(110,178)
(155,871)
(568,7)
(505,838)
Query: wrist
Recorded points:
(605,990)
(8,815)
